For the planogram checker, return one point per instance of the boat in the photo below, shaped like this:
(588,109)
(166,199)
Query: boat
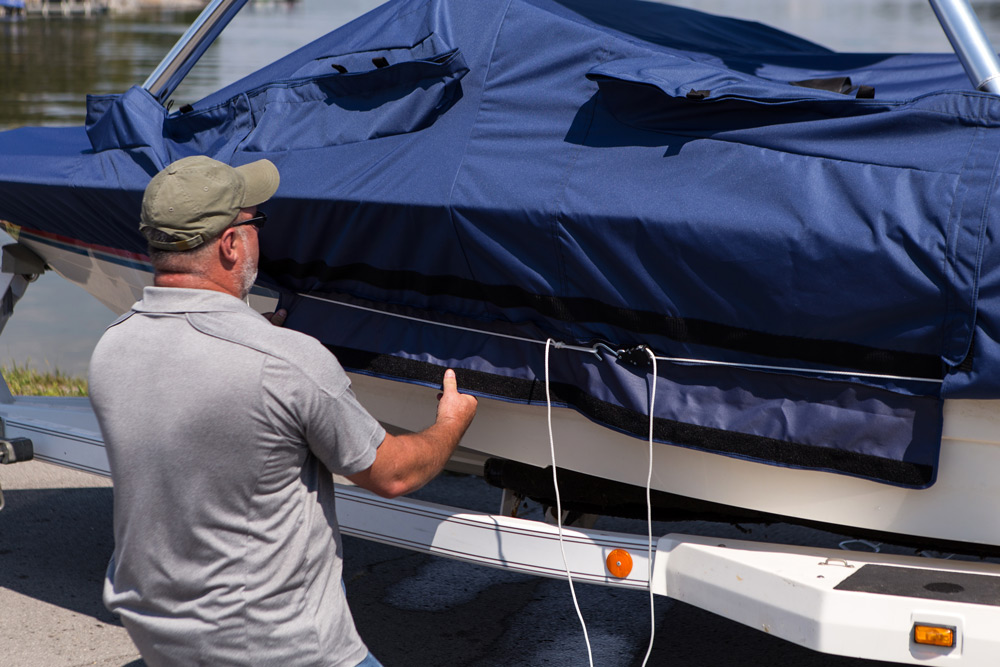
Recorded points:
(748,272)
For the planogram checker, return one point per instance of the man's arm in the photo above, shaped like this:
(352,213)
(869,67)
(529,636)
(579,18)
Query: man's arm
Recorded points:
(404,463)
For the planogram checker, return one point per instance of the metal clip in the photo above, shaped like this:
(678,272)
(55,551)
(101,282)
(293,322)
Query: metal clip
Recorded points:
(597,347)
(637,355)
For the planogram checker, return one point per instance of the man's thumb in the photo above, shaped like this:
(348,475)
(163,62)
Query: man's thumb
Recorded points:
(450,381)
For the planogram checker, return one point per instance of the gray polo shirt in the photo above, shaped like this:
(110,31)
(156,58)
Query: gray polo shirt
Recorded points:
(221,432)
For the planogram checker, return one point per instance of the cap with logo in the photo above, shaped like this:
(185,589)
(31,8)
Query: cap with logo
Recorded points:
(196,198)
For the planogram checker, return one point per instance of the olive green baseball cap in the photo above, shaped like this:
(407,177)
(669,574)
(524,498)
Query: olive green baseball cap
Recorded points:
(196,198)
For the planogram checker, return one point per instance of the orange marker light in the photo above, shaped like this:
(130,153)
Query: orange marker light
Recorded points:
(619,563)
(934,635)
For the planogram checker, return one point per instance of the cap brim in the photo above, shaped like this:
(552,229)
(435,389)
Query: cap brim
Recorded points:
(262,180)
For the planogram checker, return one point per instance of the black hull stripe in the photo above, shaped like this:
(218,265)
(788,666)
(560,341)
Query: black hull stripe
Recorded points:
(641,323)
(704,438)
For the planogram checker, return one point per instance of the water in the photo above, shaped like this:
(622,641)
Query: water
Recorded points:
(48,66)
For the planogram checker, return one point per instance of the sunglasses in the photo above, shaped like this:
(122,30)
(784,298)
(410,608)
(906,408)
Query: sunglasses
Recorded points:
(257,221)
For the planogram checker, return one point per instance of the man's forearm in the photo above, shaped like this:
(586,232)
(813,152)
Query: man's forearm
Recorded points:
(423,455)
(404,463)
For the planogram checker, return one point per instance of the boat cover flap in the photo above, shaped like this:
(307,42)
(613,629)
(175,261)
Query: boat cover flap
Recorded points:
(463,181)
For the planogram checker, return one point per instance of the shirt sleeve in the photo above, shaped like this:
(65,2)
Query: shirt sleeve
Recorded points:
(316,405)
(353,432)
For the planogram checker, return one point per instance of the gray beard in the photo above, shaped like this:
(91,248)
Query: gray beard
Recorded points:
(248,271)
(248,274)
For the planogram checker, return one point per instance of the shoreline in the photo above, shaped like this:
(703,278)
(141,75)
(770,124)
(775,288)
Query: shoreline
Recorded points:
(47,8)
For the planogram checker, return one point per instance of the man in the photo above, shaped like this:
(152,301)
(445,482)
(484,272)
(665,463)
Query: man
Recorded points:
(221,431)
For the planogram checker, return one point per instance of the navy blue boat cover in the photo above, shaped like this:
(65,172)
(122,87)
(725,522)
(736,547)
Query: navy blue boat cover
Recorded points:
(462,181)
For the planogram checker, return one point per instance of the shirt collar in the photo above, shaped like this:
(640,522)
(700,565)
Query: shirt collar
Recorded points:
(182,300)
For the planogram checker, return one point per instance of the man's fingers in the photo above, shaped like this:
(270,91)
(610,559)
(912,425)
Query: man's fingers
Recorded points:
(277,318)
(450,382)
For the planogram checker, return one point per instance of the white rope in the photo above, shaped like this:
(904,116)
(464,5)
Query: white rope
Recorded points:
(594,349)
(555,483)
(649,511)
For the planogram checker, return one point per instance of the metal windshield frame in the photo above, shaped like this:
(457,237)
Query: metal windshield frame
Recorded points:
(190,47)
(971,44)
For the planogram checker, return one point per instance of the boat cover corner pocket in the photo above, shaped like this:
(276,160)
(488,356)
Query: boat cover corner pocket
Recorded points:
(675,93)
(392,96)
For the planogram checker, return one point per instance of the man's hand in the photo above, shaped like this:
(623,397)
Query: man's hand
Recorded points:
(453,406)
(276,318)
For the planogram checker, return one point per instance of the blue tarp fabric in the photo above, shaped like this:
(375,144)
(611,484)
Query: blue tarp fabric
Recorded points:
(463,180)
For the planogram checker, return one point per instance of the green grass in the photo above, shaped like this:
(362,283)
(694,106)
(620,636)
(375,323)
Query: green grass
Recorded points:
(26,381)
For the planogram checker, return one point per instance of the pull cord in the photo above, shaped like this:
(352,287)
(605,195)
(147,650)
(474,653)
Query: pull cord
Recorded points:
(649,507)
(649,511)
(555,484)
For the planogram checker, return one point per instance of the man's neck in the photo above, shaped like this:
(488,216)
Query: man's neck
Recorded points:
(191,281)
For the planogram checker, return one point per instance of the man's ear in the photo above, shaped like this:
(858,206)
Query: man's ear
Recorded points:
(228,252)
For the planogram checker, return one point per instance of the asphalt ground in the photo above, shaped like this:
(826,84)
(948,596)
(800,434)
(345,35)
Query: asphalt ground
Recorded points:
(411,609)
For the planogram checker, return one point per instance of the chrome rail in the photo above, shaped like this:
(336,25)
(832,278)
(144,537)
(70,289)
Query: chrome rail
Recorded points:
(190,47)
(971,44)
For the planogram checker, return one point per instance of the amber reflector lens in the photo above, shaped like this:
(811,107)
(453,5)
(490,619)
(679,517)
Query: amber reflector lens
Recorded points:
(934,635)
(619,563)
